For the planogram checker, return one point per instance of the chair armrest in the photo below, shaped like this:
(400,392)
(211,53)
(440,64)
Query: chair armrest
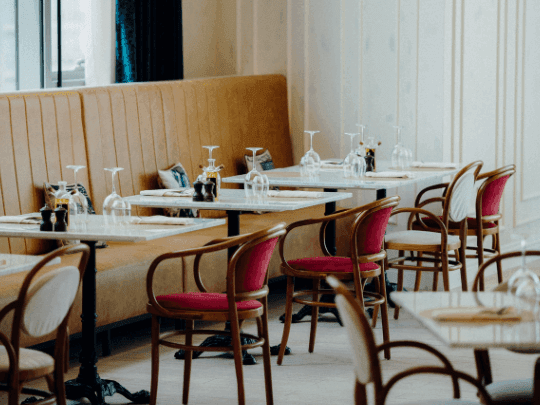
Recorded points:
(14,370)
(434,187)
(441,371)
(417,211)
(9,307)
(423,204)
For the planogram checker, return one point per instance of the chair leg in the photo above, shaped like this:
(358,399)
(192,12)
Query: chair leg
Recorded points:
(399,288)
(188,358)
(360,395)
(384,314)
(266,354)
(435,286)
(418,279)
(497,247)
(376,307)
(237,350)
(446,277)
(288,319)
(155,360)
(463,255)
(314,316)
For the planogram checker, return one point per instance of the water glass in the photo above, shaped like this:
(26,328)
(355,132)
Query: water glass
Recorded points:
(258,188)
(121,212)
(266,187)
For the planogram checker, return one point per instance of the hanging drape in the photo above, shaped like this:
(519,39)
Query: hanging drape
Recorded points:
(148,40)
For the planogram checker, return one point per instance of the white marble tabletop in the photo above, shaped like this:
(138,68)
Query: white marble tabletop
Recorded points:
(235,200)
(97,231)
(334,179)
(524,335)
(11,264)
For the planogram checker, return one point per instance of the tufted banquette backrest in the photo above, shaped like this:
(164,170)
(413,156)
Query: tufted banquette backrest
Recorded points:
(141,127)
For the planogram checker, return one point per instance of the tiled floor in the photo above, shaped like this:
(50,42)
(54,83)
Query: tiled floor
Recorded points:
(324,377)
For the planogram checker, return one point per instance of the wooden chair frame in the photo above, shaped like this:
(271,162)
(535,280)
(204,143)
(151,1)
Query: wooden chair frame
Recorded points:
(381,390)
(55,381)
(244,243)
(481,231)
(359,277)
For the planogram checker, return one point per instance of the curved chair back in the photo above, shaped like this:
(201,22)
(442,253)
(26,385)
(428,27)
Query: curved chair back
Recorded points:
(497,259)
(460,193)
(365,359)
(45,300)
(490,192)
(248,268)
(369,227)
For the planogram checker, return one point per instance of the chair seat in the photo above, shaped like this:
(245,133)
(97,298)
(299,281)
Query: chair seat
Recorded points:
(407,240)
(32,364)
(203,302)
(330,264)
(471,223)
(511,392)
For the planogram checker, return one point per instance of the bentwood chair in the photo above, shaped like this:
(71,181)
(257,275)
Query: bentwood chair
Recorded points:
(366,261)
(246,298)
(487,215)
(510,391)
(42,307)
(365,356)
(431,247)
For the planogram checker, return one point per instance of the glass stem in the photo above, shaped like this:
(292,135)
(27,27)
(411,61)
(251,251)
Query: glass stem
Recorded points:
(254,154)
(352,144)
(113,185)
(311,142)
(523,254)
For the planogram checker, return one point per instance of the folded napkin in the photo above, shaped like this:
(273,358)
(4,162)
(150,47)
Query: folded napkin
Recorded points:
(390,175)
(434,165)
(187,192)
(476,314)
(161,220)
(33,218)
(295,194)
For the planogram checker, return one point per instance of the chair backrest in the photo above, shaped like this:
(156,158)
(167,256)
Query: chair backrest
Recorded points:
(370,226)
(497,259)
(46,297)
(460,193)
(248,268)
(365,355)
(491,190)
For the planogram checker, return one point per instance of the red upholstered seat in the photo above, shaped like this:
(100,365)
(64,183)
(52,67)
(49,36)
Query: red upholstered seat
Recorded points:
(471,223)
(203,301)
(331,264)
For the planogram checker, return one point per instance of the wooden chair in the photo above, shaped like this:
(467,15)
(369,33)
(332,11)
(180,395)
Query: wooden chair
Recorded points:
(366,261)
(487,205)
(42,307)
(511,391)
(365,355)
(429,246)
(246,298)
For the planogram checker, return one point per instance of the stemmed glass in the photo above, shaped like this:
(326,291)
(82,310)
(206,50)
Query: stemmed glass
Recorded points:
(525,285)
(353,165)
(312,158)
(250,177)
(114,205)
(359,151)
(78,204)
(211,172)
(401,156)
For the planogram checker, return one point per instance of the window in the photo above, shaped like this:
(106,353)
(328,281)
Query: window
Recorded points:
(29,43)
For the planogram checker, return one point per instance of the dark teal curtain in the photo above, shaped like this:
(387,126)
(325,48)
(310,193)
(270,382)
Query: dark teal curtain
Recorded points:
(148,40)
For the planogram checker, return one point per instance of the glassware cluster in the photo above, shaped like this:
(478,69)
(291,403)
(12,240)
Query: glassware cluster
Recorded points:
(78,204)
(256,184)
(525,286)
(211,173)
(401,156)
(116,210)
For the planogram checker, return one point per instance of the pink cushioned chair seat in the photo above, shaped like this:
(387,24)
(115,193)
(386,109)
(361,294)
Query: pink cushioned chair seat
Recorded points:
(330,264)
(471,223)
(203,302)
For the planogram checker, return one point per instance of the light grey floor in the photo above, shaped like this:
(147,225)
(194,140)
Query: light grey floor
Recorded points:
(323,377)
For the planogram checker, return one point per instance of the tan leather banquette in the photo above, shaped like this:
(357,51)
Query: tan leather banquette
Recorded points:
(141,127)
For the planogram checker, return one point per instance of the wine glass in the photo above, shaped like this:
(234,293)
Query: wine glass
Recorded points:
(121,212)
(266,187)
(359,151)
(397,153)
(78,204)
(258,188)
(250,176)
(349,159)
(212,173)
(312,158)
(524,284)
(109,203)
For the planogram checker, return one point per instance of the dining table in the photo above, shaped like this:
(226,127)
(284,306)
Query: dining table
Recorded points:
(331,179)
(234,202)
(88,383)
(520,334)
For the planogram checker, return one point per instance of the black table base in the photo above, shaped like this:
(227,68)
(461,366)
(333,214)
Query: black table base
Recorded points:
(88,384)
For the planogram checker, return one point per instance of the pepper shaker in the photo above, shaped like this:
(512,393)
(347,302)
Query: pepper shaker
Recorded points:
(209,191)
(60,225)
(46,224)
(198,194)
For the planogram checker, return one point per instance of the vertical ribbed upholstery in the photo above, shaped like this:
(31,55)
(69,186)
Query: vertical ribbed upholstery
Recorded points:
(40,133)
(144,127)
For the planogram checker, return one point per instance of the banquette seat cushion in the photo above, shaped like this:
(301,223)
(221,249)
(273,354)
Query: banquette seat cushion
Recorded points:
(142,127)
